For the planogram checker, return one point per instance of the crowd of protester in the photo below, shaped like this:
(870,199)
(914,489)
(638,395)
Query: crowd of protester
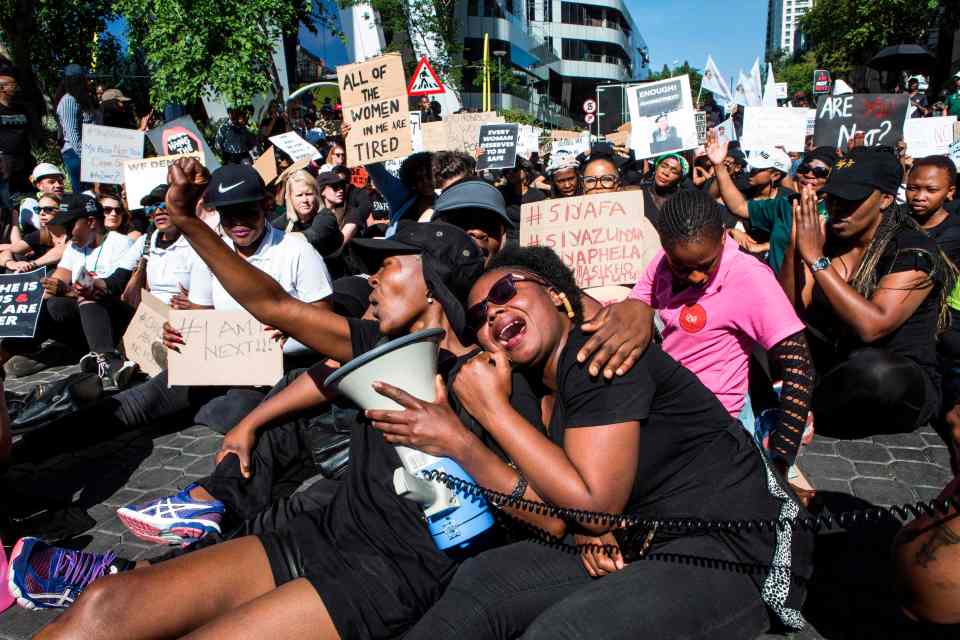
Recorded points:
(793,295)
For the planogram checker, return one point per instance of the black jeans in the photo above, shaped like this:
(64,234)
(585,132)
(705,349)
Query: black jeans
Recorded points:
(94,326)
(543,593)
(873,391)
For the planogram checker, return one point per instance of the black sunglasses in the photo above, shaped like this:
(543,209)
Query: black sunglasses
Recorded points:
(502,292)
(819,172)
(150,209)
(48,209)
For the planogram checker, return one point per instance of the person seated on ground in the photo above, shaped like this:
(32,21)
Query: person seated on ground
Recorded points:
(669,172)
(450,167)
(163,262)
(871,287)
(409,196)
(116,218)
(48,179)
(477,208)
(930,184)
(309,201)
(45,246)
(355,208)
(81,304)
(927,560)
(770,218)
(564,175)
(367,535)
(518,192)
(653,443)
(696,283)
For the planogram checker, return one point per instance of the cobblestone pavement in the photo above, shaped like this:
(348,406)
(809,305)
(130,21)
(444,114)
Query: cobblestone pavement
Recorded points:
(849,597)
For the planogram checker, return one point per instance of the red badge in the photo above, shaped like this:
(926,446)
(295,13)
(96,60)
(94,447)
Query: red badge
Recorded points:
(21,298)
(693,318)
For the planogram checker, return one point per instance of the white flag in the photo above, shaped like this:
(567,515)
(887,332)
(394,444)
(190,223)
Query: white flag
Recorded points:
(770,90)
(714,82)
(740,90)
(757,84)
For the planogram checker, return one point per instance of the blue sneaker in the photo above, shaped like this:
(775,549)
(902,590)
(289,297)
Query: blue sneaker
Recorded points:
(176,519)
(45,577)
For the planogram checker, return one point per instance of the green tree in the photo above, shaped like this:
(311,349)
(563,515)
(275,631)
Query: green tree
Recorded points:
(696,77)
(847,33)
(797,72)
(211,45)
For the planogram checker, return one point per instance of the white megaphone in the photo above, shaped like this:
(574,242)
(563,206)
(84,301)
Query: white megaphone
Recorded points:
(410,363)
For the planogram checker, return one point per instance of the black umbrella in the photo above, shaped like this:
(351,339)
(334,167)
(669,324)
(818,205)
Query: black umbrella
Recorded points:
(903,57)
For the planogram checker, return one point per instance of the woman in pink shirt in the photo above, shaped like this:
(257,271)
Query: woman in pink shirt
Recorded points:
(716,303)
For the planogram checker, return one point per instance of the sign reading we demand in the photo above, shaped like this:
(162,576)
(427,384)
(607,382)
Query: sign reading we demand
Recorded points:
(605,239)
(374,98)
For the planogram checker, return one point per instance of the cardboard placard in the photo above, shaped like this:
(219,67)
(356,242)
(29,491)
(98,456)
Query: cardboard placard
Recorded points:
(771,127)
(21,296)
(104,151)
(266,165)
(143,339)
(573,146)
(662,117)
(879,116)
(223,348)
(928,136)
(294,146)
(620,137)
(374,98)
(141,176)
(499,144)
(459,132)
(563,134)
(182,136)
(416,131)
(605,239)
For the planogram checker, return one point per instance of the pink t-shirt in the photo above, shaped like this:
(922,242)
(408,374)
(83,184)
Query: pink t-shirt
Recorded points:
(711,330)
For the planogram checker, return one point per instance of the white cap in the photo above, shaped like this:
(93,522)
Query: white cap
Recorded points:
(43,170)
(769,159)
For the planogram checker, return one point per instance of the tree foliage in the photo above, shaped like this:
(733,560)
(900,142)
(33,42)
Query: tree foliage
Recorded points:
(847,33)
(797,72)
(696,77)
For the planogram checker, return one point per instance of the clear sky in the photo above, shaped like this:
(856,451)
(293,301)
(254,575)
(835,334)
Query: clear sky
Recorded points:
(732,31)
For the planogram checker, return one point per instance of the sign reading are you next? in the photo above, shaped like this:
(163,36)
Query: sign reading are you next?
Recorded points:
(374,98)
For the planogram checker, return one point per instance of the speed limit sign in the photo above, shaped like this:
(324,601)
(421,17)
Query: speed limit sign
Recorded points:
(589,118)
(589,106)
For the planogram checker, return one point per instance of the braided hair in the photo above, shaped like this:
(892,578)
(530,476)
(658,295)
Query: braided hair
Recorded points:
(689,216)
(544,263)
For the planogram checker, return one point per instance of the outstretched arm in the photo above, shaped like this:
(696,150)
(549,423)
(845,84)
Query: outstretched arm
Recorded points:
(732,198)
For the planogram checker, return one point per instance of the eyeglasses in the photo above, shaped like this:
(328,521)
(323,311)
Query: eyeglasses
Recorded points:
(112,211)
(48,209)
(606,181)
(819,172)
(150,209)
(337,154)
(502,292)
(8,85)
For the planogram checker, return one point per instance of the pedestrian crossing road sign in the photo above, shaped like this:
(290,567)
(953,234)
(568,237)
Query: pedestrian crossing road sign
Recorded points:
(424,81)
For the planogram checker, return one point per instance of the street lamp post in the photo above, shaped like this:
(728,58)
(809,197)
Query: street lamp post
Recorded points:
(499,54)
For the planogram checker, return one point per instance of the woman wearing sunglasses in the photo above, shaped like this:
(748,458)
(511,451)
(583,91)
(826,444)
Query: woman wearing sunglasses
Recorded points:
(654,443)
(44,246)
(771,218)
(116,218)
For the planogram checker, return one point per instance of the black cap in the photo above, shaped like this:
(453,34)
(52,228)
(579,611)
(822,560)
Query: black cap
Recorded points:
(470,198)
(451,261)
(826,155)
(326,178)
(74,206)
(865,169)
(157,195)
(234,184)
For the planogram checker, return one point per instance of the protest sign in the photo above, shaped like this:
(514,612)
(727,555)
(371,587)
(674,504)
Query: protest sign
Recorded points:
(564,134)
(821,81)
(528,140)
(661,117)
(266,165)
(879,116)
(21,296)
(104,151)
(573,146)
(143,340)
(811,121)
(223,348)
(955,153)
(416,131)
(141,176)
(700,117)
(182,136)
(928,136)
(294,146)
(499,144)
(780,90)
(771,127)
(605,239)
(459,132)
(374,98)
(620,137)
(726,131)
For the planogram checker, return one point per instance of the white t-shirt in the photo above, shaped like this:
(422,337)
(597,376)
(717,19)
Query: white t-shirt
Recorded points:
(287,258)
(168,267)
(101,261)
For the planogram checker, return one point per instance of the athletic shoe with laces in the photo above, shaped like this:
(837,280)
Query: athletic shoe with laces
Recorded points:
(89,363)
(42,576)
(115,372)
(177,519)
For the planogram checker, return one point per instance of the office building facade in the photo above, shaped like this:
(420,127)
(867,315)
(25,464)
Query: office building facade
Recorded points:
(782,28)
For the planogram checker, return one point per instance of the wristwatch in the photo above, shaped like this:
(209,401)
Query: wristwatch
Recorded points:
(820,264)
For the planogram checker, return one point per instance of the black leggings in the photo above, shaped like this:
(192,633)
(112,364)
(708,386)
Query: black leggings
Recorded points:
(96,326)
(872,392)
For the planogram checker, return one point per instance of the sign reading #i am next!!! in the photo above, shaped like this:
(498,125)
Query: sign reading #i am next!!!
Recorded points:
(374,98)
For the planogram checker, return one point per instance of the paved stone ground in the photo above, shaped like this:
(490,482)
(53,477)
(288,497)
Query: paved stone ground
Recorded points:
(850,595)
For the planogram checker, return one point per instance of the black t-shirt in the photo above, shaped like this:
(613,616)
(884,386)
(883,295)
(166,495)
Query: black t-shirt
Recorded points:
(514,201)
(358,208)
(952,207)
(14,131)
(378,206)
(947,236)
